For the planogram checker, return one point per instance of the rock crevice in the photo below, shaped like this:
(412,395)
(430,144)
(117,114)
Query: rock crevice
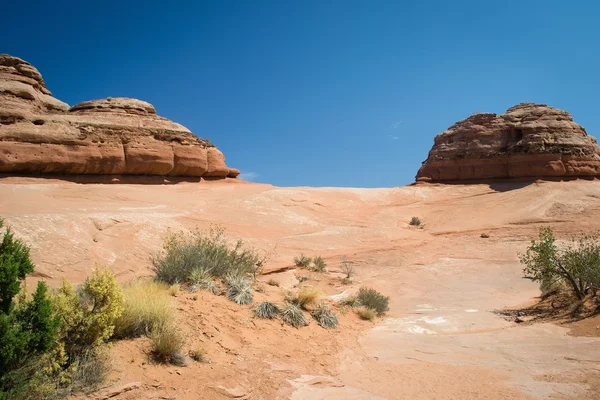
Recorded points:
(528,141)
(40,134)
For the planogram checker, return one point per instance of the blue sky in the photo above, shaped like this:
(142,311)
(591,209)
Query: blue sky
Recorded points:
(317,93)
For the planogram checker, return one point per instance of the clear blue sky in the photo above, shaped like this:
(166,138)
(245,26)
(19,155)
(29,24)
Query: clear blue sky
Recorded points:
(317,93)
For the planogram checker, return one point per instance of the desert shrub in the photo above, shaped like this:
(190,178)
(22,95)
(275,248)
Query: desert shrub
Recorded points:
(415,221)
(174,289)
(318,264)
(350,301)
(166,341)
(304,297)
(292,315)
(91,367)
(366,313)
(272,282)
(239,289)
(266,310)
(575,265)
(372,299)
(324,316)
(198,354)
(146,304)
(183,253)
(348,269)
(28,328)
(302,261)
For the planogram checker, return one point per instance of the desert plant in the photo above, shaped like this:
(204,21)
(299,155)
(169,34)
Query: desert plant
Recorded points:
(304,297)
(302,261)
(372,299)
(415,221)
(239,289)
(272,282)
(366,313)
(292,315)
(198,354)
(350,301)
(347,268)
(266,310)
(202,279)
(146,304)
(166,341)
(318,264)
(182,253)
(324,316)
(174,289)
(576,265)
(91,367)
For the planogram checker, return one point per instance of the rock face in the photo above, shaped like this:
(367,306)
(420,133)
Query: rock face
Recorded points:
(528,141)
(114,136)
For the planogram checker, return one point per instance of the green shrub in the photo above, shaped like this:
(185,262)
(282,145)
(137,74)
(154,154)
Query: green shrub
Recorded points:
(372,299)
(415,221)
(575,265)
(184,253)
(146,304)
(324,316)
(239,289)
(167,342)
(302,261)
(266,310)
(292,315)
(318,264)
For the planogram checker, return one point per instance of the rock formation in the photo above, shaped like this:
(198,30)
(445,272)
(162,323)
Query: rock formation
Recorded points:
(528,141)
(114,136)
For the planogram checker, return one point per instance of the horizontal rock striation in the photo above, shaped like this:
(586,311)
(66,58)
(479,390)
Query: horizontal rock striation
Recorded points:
(114,136)
(528,141)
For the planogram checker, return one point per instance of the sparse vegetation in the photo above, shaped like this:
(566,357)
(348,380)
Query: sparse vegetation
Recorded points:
(318,264)
(348,269)
(324,316)
(147,304)
(167,342)
(371,298)
(239,289)
(304,297)
(575,265)
(272,282)
(302,261)
(366,313)
(198,354)
(292,315)
(484,236)
(266,310)
(350,301)
(415,221)
(184,253)
(174,289)
(200,278)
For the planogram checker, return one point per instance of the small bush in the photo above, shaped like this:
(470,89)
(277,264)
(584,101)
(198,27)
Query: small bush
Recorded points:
(365,313)
(350,301)
(324,316)
(201,279)
(346,281)
(304,297)
(198,354)
(239,289)
(415,221)
(484,236)
(266,310)
(91,367)
(302,261)
(183,253)
(146,304)
(272,282)
(174,289)
(167,342)
(372,299)
(292,315)
(318,265)
(347,269)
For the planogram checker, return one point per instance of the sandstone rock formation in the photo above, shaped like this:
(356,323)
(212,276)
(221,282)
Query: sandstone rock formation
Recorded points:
(115,136)
(528,141)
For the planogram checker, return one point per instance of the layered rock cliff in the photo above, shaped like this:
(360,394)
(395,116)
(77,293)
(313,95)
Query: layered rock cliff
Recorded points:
(528,141)
(40,134)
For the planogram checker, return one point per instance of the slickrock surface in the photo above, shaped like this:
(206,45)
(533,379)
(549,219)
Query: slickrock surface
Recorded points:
(528,141)
(40,134)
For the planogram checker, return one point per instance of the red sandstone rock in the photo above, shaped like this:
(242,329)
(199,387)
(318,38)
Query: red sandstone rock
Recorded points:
(528,141)
(114,136)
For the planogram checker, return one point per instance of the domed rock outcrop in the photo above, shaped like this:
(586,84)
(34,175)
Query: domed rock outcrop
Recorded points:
(114,136)
(528,141)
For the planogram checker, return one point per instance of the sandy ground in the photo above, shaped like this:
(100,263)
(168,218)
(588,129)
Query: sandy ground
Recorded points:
(441,338)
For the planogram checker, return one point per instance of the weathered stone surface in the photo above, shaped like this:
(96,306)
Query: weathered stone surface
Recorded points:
(528,141)
(114,136)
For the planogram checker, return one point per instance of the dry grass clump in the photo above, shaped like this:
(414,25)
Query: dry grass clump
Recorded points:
(365,313)
(324,316)
(304,297)
(201,278)
(372,299)
(167,342)
(146,304)
(292,315)
(266,310)
(350,301)
(239,289)
(174,289)
(272,282)
(198,354)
